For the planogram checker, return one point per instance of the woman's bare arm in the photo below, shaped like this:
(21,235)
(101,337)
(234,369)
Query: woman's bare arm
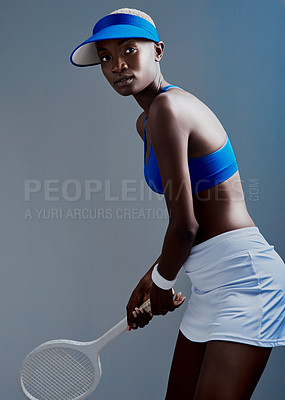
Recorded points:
(169,135)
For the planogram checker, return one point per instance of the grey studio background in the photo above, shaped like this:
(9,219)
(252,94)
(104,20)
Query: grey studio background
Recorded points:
(77,238)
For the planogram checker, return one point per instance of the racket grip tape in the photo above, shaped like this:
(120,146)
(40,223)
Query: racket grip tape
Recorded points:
(146,306)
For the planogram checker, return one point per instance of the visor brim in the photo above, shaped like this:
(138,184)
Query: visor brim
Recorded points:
(86,54)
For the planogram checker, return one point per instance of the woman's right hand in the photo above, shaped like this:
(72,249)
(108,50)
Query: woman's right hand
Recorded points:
(137,317)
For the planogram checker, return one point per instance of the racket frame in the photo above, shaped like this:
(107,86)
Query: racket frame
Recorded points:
(91,349)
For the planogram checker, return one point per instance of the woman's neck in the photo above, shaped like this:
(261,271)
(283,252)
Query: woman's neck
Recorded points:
(146,96)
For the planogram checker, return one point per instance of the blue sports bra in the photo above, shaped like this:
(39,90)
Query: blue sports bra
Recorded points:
(205,172)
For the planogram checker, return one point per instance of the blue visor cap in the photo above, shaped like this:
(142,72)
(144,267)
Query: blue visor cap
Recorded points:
(113,26)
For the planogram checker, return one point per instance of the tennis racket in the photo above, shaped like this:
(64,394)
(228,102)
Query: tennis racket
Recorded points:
(66,369)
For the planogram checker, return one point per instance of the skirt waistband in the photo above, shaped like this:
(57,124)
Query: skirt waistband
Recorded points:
(225,245)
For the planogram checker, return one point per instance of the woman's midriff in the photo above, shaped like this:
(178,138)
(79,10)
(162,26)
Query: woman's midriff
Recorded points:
(221,209)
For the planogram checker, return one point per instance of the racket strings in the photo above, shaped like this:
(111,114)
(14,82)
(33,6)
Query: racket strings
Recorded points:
(57,373)
(46,384)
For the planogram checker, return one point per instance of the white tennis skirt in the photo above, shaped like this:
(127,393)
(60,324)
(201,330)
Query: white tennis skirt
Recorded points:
(238,290)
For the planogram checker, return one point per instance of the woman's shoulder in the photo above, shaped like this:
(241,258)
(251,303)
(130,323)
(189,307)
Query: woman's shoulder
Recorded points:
(183,109)
(174,105)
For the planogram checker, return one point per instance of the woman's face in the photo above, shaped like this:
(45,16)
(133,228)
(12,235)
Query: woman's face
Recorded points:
(129,65)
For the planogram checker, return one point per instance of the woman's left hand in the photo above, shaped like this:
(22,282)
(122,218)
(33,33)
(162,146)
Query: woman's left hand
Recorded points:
(162,301)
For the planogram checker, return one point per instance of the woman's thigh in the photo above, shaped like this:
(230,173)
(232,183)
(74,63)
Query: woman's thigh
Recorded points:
(185,369)
(230,371)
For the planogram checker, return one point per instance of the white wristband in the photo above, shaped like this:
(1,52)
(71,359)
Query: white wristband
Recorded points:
(161,282)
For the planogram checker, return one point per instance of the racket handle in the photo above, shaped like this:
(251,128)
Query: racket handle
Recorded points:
(119,328)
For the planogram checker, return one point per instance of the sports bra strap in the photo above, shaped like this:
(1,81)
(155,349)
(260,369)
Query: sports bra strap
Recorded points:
(168,87)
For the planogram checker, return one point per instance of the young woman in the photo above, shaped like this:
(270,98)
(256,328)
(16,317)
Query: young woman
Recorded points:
(236,311)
